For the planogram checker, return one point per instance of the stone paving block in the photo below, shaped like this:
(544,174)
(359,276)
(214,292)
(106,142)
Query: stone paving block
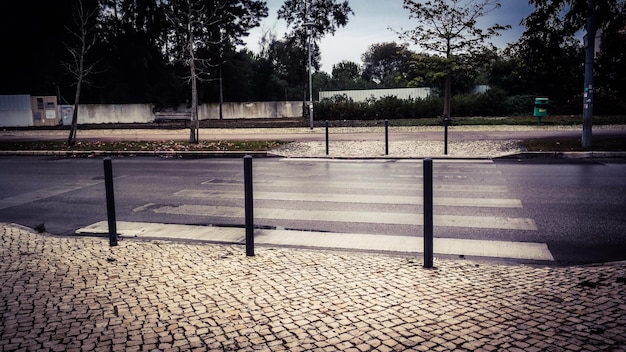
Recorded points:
(186,296)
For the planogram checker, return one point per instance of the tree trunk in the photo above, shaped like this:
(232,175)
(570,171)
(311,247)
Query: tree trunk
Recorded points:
(71,139)
(193,125)
(193,132)
(447,99)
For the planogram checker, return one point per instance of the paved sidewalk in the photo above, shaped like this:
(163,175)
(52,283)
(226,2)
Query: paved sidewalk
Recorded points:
(76,293)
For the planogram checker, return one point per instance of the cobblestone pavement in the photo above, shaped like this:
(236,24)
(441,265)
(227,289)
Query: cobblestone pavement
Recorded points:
(76,293)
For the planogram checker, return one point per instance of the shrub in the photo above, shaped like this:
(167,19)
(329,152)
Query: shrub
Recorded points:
(342,108)
(520,105)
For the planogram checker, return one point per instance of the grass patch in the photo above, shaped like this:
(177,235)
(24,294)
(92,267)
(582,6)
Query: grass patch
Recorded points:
(143,146)
(598,143)
(557,120)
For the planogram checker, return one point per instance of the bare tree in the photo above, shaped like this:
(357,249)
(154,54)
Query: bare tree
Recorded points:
(200,26)
(83,35)
(185,20)
(449,28)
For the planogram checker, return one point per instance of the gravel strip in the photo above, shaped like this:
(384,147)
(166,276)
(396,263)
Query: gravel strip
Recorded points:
(406,149)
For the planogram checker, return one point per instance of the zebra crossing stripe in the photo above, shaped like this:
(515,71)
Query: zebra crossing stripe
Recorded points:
(329,240)
(28,197)
(353,198)
(330,186)
(491,222)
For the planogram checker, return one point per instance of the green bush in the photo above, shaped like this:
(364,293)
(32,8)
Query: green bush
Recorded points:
(343,108)
(494,102)
(520,105)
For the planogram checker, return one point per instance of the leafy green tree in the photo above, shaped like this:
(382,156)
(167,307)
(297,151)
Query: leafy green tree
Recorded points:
(505,72)
(551,35)
(348,75)
(611,61)
(387,64)
(309,19)
(321,81)
(325,16)
(133,46)
(432,70)
(449,28)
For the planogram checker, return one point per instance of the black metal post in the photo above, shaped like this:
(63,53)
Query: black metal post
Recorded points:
(588,94)
(428,213)
(386,137)
(249,206)
(108,184)
(327,137)
(445,138)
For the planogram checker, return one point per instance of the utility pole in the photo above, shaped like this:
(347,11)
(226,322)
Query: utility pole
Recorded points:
(309,25)
(590,47)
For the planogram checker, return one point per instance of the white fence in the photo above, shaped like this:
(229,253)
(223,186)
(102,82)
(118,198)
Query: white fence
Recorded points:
(16,111)
(251,110)
(362,95)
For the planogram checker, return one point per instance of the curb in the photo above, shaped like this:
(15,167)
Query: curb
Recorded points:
(566,155)
(165,154)
(266,154)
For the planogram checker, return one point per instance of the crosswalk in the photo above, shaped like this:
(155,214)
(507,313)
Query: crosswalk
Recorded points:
(328,202)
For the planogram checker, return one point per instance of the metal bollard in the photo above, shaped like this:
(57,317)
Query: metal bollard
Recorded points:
(446,123)
(108,184)
(327,137)
(249,205)
(428,213)
(386,137)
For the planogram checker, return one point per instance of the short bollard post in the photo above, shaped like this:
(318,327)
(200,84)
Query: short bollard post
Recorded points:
(386,137)
(446,123)
(108,184)
(327,137)
(249,205)
(428,213)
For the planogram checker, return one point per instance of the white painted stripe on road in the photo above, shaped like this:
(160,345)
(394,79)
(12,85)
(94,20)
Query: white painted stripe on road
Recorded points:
(390,185)
(448,161)
(353,198)
(450,246)
(329,240)
(408,161)
(490,222)
(28,197)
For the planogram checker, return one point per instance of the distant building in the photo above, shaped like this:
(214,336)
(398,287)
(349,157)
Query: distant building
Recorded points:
(24,110)
(362,95)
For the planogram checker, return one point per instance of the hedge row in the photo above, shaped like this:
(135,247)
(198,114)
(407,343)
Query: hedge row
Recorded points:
(491,103)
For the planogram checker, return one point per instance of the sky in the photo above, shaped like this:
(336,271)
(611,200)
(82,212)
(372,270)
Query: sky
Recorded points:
(370,25)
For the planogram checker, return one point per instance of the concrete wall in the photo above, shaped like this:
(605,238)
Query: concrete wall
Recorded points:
(15,111)
(252,110)
(118,113)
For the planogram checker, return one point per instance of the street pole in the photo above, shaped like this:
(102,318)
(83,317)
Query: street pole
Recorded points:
(310,79)
(590,43)
(428,213)
(221,94)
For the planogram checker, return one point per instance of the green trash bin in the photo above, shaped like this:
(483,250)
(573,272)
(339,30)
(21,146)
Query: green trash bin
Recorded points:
(541,107)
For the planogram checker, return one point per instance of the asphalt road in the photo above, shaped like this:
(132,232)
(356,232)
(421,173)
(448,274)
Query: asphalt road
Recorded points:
(456,133)
(577,208)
